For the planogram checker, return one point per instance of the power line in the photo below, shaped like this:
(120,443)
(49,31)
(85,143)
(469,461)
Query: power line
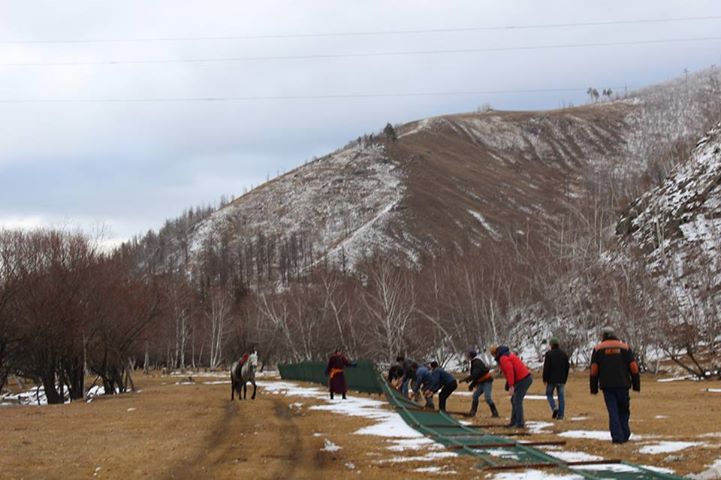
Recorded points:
(368,33)
(361,54)
(298,97)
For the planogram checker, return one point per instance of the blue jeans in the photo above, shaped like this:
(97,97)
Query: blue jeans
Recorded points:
(404,386)
(561,397)
(519,392)
(485,389)
(618,404)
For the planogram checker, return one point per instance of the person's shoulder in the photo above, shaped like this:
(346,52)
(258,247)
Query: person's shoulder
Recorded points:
(612,343)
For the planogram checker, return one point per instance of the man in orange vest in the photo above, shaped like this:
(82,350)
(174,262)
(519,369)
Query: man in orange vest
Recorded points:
(614,369)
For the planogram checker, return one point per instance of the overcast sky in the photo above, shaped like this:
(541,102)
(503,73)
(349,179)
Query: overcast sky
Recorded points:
(130,165)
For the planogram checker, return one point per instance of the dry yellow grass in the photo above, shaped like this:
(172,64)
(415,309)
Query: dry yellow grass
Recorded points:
(193,431)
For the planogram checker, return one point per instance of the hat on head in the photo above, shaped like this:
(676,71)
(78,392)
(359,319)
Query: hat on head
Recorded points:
(472,353)
(554,341)
(607,331)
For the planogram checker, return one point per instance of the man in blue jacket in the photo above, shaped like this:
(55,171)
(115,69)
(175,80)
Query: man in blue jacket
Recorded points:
(423,382)
(434,380)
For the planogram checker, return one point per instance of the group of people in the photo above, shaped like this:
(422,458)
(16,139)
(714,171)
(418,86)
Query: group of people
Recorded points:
(614,371)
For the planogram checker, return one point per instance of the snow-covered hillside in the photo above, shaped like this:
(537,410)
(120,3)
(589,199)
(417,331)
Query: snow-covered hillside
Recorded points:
(481,180)
(339,204)
(678,224)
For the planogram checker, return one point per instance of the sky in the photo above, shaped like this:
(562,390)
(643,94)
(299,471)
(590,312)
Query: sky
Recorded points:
(118,148)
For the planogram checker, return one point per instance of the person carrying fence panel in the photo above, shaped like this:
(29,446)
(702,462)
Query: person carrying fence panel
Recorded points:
(480,383)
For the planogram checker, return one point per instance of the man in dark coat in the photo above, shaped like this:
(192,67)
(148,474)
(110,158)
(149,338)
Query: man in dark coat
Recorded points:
(614,368)
(555,375)
(335,372)
(407,365)
(481,380)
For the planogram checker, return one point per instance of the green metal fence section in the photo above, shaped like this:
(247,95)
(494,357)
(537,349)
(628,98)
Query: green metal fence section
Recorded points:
(361,378)
(494,452)
(500,453)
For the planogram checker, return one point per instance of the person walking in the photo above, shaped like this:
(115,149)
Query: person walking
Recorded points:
(336,373)
(555,375)
(480,383)
(518,381)
(614,369)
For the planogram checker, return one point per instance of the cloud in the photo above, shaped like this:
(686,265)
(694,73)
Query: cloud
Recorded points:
(132,165)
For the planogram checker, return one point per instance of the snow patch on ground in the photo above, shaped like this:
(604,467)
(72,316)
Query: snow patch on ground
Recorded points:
(576,456)
(593,435)
(388,423)
(403,444)
(329,446)
(436,470)
(667,447)
(534,475)
(713,472)
(36,396)
(538,427)
(428,457)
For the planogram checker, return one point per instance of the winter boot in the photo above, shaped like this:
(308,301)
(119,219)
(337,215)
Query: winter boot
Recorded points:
(494,410)
(474,408)
(331,395)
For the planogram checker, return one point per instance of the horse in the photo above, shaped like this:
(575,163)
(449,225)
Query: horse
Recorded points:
(240,376)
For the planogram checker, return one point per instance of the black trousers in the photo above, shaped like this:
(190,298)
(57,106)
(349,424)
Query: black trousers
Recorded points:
(445,392)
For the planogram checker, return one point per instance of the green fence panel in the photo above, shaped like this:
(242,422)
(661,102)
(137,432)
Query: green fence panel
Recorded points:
(361,378)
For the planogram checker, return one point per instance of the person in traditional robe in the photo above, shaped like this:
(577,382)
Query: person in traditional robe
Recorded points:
(335,372)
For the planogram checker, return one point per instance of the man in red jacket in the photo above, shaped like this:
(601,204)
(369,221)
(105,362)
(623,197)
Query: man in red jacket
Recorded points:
(518,378)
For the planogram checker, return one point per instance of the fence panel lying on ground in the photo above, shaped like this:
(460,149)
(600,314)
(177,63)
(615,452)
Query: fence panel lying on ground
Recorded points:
(494,452)
(361,378)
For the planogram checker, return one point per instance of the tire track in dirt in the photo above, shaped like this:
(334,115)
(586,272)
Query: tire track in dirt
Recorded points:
(250,436)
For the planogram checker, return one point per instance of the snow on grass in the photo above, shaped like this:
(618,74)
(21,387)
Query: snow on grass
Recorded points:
(492,231)
(217,382)
(500,453)
(713,472)
(667,447)
(534,475)
(713,390)
(403,444)
(387,423)
(579,419)
(575,456)
(593,435)
(329,446)
(436,470)
(675,379)
(428,457)
(538,427)
(37,397)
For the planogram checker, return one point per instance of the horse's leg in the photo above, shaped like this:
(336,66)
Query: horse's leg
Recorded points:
(254,388)
(232,390)
(245,390)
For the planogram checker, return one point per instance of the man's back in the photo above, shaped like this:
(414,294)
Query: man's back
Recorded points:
(614,366)
(555,367)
